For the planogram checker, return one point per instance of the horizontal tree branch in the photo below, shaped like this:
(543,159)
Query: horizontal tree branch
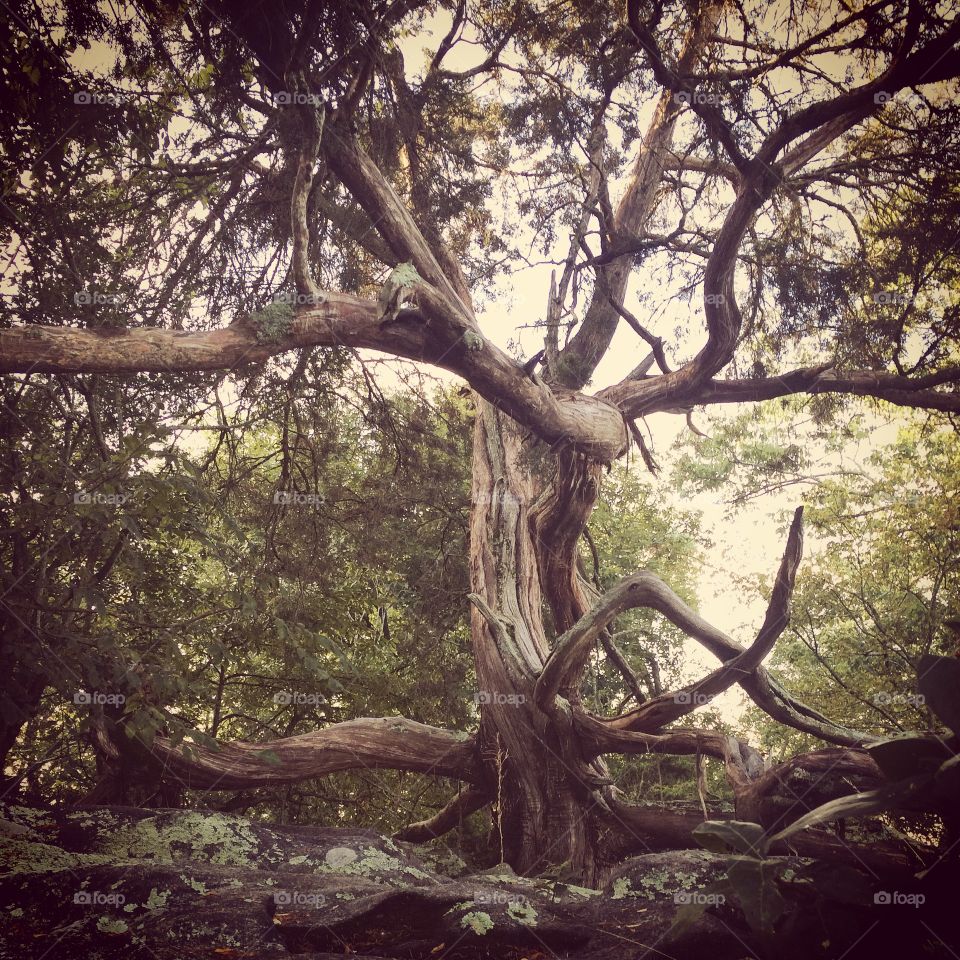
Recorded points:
(855,768)
(432,335)
(645,829)
(392,743)
(900,390)
(598,736)
(657,394)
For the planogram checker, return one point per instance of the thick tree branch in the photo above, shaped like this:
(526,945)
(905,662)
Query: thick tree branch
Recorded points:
(311,133)
(900,390)
(391,218)
(598,736)
(668,707)
(646,396)
(645,829)
(392,743)
(592,426)
(678,82)
(647,590)
(581,356)
(821,123)
(770,800)
(462,805)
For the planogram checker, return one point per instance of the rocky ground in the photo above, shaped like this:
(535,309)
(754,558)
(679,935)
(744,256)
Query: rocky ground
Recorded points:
(151,885)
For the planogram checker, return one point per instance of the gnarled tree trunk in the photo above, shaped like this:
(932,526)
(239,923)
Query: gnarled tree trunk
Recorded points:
(529,504)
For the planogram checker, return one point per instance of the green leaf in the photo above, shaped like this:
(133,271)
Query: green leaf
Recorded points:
(903,757)
(754,885)
(854,805)
(724,836)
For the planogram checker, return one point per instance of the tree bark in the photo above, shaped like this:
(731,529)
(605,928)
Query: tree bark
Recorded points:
(529,505)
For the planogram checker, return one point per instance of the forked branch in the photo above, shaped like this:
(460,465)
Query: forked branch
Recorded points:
(645,589)
(668,707)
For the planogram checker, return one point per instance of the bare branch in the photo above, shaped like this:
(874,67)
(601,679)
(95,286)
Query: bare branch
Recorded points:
(656,343)
(390,216)
(462,805)
(393,743)
(645,589)
(900,390)
(668,707)
(312,133)
(742,762)
(592,340)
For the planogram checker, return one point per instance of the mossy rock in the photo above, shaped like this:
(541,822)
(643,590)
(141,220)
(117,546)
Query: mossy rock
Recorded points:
(118,883)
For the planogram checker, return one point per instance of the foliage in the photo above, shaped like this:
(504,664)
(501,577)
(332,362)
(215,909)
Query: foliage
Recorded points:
(924,778)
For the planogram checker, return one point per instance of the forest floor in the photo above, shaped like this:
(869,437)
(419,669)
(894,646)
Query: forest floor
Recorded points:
(137,884)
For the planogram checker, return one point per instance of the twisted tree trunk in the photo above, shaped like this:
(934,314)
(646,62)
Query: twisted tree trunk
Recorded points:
(529,504)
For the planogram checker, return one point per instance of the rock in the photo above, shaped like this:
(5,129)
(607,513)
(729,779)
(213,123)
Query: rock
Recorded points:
(118,883)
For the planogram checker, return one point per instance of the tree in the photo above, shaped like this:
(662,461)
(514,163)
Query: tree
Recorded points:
(270,166)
